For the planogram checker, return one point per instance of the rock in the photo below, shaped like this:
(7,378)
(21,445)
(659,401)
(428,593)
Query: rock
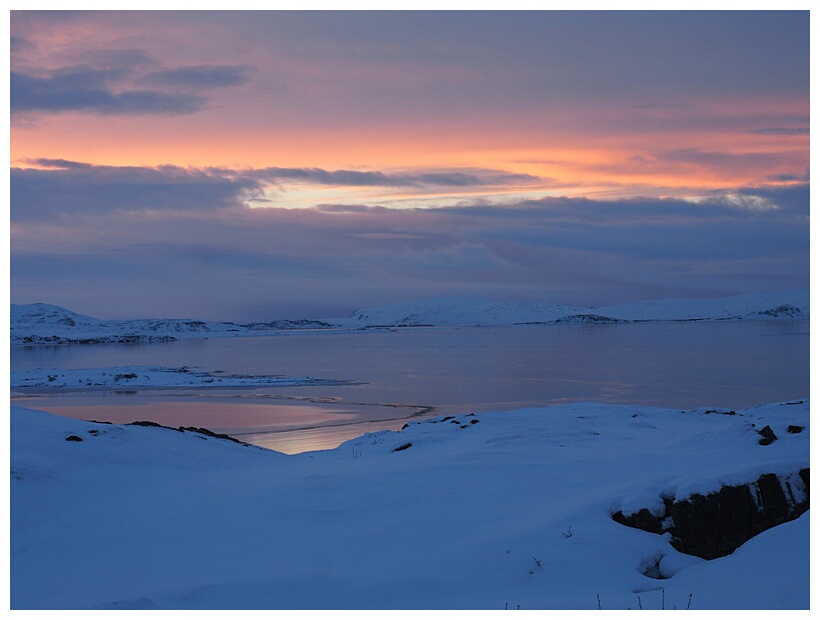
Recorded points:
(714,525)
(794,429)
(152,424)
(583,319)
(642,520)
(210,433)
(785,311)
(73,438)
(767,436)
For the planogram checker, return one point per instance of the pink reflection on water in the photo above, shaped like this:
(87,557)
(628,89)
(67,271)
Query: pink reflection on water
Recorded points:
(214,416)
(288,428)
(322,438)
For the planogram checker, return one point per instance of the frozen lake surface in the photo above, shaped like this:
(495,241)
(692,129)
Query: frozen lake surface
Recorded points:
(419,372)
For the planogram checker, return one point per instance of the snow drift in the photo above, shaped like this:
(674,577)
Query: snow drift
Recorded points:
(477,511)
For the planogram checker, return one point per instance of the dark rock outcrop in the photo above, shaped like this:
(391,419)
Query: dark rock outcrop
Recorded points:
(714,525)
(584,319)
(123,339)
(210,433)
(192,429)
(767,436)
(785,311)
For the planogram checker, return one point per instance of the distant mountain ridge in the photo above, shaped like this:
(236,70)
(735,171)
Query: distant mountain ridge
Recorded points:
(49,324)
(791,304)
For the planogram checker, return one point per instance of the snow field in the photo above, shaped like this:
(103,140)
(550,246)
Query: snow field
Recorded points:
(512,510)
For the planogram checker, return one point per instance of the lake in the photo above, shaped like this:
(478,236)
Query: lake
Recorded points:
(420,372)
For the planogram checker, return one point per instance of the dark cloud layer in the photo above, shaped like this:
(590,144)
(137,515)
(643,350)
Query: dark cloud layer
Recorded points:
(474,178)
(203,76)
(60,186)
(116,85)
(88,91)
(73,188)
(178,242)
(394,65)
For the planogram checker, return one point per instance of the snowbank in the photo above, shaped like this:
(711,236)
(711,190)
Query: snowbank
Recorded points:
(484,511)
(151,377)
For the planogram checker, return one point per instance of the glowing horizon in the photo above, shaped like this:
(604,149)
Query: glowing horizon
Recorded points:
(226,120)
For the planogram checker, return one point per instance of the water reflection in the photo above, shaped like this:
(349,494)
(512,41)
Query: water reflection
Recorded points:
(419,372)
(216,416)
(323,438)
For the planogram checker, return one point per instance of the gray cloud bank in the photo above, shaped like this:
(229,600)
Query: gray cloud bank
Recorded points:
(394,64)
(137,242)
(70,187)
(471,178)
(119,91)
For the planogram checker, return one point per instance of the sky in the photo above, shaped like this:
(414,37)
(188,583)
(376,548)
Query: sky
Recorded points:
(259,165)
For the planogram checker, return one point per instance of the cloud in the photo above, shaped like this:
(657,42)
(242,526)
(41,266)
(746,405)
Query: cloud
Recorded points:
(782,131)
(45,162)
(712,158)
(356,178)
(74,188)
(201,76)
(562,250)
(161,240)
(755,165)
(91,91)
(658,105)
(64,186)
(120,82)
(785,178)
(19,44)
(792,199)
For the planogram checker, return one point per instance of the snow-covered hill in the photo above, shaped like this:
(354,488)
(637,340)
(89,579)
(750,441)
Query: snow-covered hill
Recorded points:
(469,311)
(491,511)
(47,324)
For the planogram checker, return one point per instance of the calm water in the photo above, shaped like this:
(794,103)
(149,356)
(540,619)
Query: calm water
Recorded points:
(433,371)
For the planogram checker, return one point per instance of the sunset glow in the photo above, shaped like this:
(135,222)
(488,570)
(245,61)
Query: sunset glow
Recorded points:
(229,114)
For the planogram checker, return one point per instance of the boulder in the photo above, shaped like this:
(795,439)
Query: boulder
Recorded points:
(714,525)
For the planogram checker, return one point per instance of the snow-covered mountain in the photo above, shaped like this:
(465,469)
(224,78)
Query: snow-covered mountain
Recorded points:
(789,304)
(47,324)
(557,508)
(792,304)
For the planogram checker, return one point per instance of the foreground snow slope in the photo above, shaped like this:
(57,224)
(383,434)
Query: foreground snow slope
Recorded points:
(475,511)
